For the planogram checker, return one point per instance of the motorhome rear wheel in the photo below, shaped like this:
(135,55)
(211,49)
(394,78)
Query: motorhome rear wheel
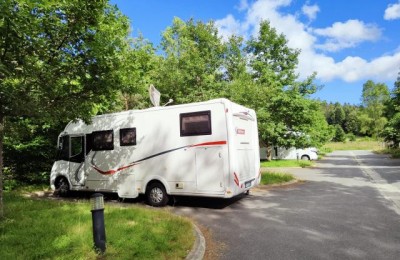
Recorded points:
(156,195)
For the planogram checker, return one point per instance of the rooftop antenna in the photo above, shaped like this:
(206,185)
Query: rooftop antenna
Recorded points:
(169,102)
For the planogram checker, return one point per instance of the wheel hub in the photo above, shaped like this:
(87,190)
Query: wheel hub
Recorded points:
(156,195)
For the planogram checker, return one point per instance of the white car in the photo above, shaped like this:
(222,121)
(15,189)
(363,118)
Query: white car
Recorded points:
(309,153)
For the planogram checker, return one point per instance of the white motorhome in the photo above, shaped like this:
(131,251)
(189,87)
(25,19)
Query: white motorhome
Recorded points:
(292,153)
(198,149)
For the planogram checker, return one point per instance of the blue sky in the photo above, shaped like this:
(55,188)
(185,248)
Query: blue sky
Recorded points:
(345,42)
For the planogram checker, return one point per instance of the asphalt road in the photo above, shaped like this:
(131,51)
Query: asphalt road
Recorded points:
(348,207)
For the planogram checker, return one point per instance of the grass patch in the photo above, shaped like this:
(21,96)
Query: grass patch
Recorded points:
(323,151)
(44,229)
(395,153)
(286,163)
(354,145)
(275,178)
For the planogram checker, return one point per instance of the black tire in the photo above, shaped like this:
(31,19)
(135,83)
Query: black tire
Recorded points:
(62,187)
(156,195)
(305,158)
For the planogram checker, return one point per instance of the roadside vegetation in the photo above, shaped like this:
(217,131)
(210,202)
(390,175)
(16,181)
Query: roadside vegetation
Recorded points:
(270,177)
(359,144)
(378,147)
(48,229)
(394,153)
(286,163)
(377,117)
(323,151)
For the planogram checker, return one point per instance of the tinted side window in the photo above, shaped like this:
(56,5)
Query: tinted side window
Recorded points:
(127,136)
(89,141)
(197,123)
(103,140)
(63,150)
(77,147)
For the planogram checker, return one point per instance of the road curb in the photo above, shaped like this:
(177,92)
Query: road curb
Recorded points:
(199,246)
(283,184)
(269,186)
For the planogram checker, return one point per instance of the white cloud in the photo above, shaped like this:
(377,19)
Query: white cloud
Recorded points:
(287,24)
(348,34)
(352,69)
(392,12)
(243,5)
(310,11)
(228,26)
(308,39)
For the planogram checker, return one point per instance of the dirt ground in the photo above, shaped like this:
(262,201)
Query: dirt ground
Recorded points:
(214,249)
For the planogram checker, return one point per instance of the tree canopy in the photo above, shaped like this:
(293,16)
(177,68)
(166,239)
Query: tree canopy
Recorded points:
(391,132)
(73,59)
(189,70)
(58,61)
(374,99)
(287,116)
(259,73)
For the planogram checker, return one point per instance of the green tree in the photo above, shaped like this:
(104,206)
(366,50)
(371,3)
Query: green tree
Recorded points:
(339,134)
(235,60)
(239,84)
(396,94)
(139,66)
(58,61)
(259,73)
(347,116)
(351,122)
(29,150)
(391,132)
(190,69)
(272,61)
(338,114)
(374,99)
(286,116)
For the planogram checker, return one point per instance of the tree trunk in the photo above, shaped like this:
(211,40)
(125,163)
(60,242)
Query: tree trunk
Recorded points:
(1,165)
(269,152)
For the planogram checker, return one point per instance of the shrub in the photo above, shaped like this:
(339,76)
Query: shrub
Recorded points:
(351,137)
(339,134)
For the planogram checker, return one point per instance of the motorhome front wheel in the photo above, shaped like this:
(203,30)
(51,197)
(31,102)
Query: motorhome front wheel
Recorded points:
(62,187)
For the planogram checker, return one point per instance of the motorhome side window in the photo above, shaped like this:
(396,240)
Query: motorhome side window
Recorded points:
(196,123)
(127,136)
(103,140)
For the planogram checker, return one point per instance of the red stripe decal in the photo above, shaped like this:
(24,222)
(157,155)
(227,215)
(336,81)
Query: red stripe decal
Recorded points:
(209,143)
(236,179)
(111,172)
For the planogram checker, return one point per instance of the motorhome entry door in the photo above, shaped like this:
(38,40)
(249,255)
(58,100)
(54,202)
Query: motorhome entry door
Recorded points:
(76,159)
(209,169)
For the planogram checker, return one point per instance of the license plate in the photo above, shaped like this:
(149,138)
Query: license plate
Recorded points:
(247,184)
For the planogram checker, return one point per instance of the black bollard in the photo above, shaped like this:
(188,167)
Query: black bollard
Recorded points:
(99,231)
